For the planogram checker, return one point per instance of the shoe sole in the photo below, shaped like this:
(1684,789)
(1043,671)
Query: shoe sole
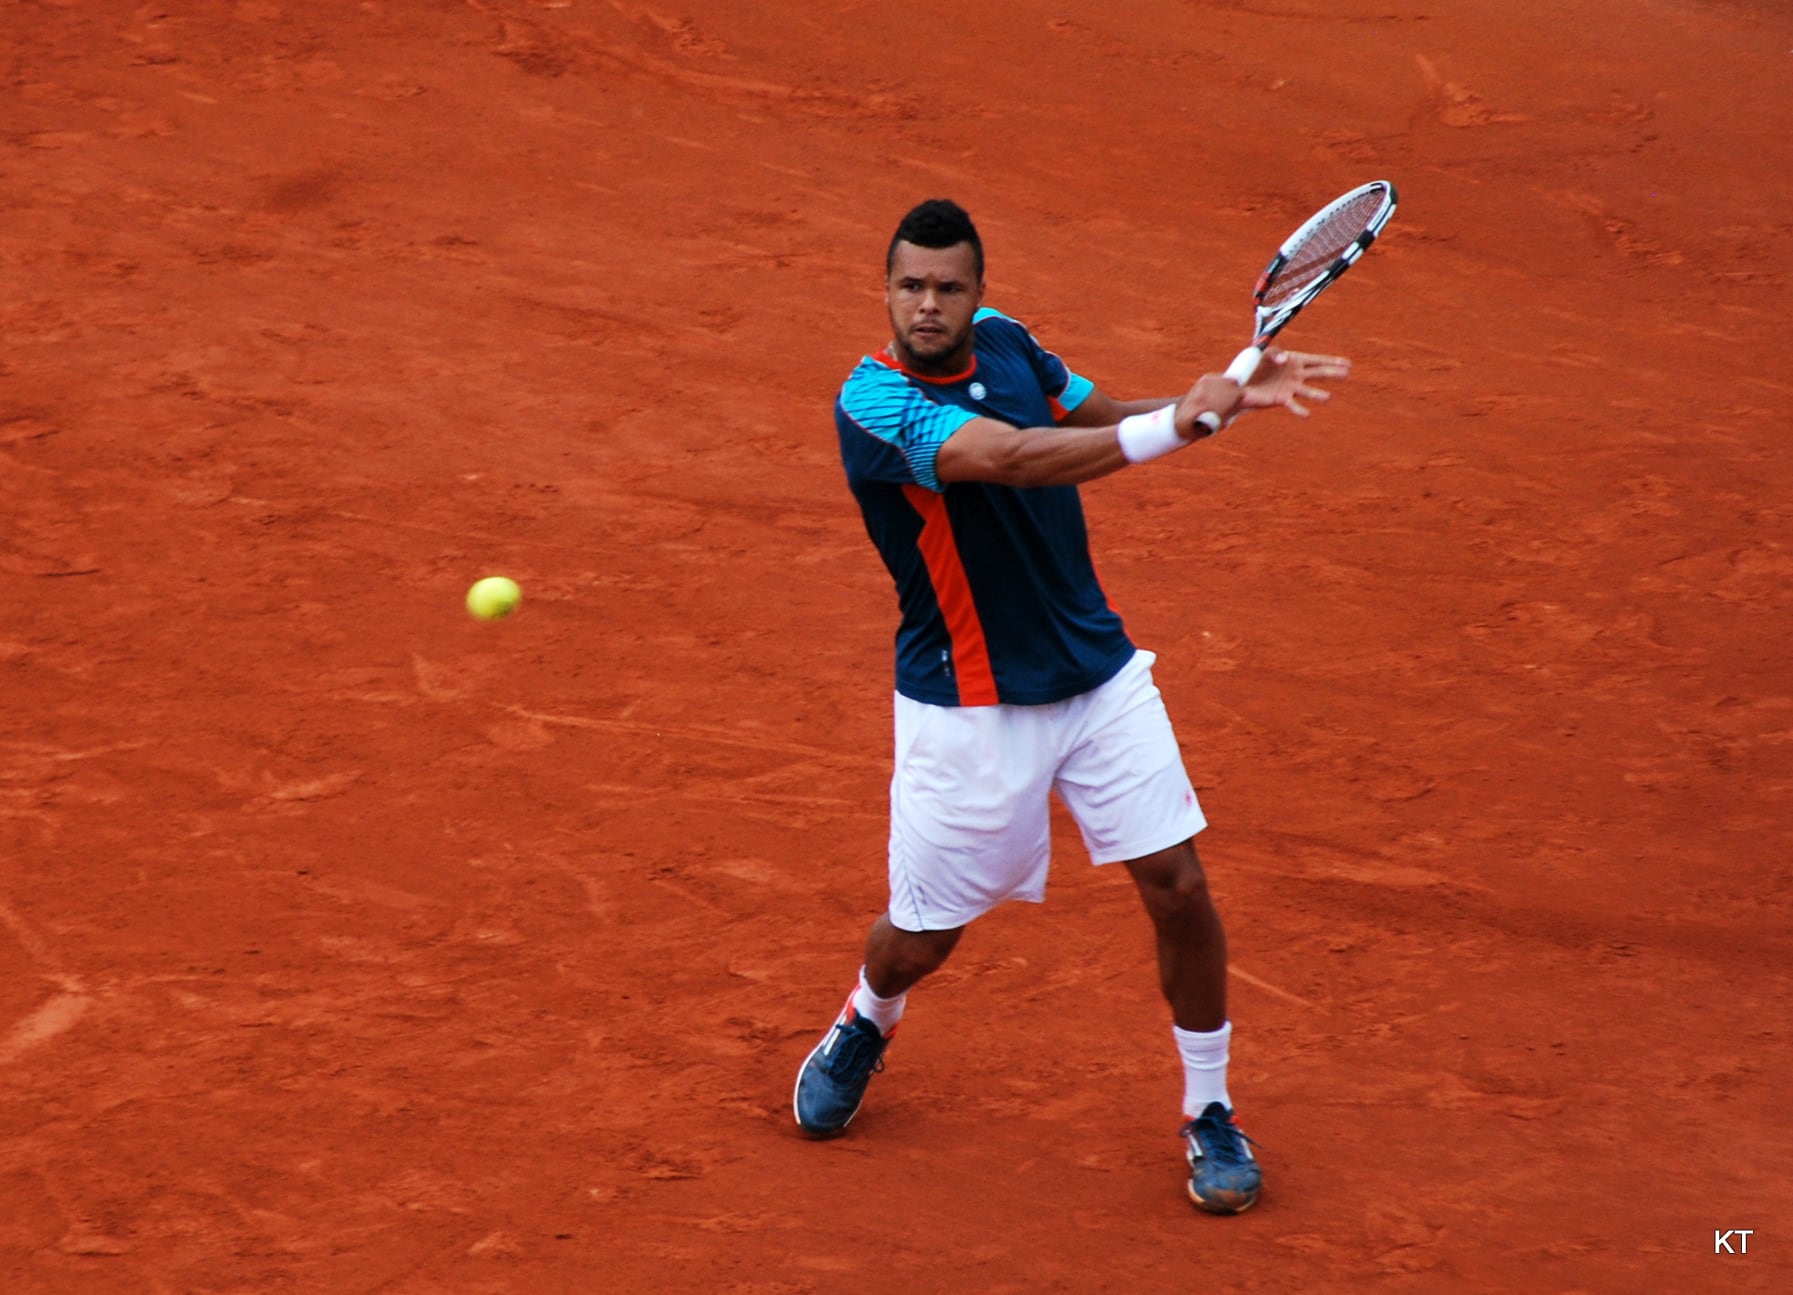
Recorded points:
(1216,1207)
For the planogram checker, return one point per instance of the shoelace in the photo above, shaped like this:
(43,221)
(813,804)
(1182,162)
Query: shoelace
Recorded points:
(855,1056)
(1222,1141)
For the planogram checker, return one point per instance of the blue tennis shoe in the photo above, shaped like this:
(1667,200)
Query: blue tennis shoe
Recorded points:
(1223,1175)
(832,1082)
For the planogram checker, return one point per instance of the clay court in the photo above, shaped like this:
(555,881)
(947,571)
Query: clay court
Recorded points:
(350,945)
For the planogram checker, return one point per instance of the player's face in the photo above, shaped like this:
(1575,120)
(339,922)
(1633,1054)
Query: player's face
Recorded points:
(932,293)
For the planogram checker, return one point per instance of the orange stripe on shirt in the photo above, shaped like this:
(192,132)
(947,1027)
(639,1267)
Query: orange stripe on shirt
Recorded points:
(940,551)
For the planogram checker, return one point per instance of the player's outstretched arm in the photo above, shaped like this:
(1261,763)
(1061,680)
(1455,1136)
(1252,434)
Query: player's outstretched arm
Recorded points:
(1104,435)
(986,449)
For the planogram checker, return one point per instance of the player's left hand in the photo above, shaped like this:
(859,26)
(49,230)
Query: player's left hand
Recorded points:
(1287,378)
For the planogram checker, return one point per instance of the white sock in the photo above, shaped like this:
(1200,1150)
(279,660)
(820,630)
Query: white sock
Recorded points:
(881,1012)
(1204,1067)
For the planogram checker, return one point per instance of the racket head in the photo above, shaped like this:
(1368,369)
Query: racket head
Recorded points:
(1326,245)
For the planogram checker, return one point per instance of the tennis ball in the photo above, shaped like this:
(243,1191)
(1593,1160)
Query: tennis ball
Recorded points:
(493,597)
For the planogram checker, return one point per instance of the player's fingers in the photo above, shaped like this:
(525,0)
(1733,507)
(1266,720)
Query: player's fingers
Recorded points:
(1331,365)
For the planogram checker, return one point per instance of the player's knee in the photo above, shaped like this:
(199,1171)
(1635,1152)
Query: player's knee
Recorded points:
(1174,885)
(1187,898)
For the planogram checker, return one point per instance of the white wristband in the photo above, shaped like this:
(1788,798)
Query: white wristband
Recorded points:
(1145,437)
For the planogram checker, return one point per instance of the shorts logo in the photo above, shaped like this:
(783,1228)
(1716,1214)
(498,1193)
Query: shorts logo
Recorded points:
(978,390)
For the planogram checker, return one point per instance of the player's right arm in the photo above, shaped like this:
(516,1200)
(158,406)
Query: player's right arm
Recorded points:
(987,449)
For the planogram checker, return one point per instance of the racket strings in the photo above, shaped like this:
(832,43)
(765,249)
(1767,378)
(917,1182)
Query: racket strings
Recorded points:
(1317,252)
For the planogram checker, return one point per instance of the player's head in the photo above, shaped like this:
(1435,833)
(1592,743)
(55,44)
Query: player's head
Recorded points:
(937,223)
(933,286)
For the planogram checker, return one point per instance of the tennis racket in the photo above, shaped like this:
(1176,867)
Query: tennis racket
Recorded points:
(1310,260)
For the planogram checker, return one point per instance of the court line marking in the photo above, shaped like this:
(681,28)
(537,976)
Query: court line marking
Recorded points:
(1266,986)
(55,1016)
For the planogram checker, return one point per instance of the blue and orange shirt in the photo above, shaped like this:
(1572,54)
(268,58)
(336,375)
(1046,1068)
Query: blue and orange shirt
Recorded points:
(999,600)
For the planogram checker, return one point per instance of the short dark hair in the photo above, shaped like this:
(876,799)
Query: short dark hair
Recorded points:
(938,222)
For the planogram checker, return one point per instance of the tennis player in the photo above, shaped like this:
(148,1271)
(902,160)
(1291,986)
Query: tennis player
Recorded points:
(964,442)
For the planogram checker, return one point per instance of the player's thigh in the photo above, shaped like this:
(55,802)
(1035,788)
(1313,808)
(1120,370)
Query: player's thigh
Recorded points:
(1123,778)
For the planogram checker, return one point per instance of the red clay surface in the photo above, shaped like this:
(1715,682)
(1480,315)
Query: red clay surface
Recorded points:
(348,945)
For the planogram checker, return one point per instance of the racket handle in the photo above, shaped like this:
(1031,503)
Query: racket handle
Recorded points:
(1245,364)
(1240,370)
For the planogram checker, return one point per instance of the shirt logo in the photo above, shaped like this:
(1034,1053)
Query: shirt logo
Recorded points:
(978,390)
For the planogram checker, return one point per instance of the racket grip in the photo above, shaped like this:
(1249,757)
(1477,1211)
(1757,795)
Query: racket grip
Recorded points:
(1239,371)
(1245,364)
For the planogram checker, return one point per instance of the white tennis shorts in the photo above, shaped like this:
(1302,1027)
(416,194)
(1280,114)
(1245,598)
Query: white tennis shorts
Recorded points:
(969,804)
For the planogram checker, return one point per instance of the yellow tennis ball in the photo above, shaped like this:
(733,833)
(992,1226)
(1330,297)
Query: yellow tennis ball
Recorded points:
(493,597)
